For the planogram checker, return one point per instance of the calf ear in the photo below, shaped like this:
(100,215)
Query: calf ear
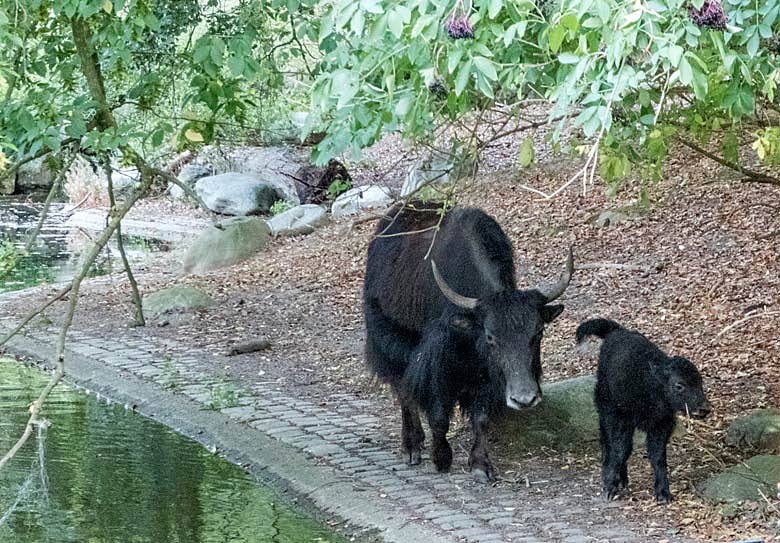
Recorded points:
(551,312)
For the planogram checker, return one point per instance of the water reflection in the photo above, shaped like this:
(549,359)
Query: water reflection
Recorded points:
(109,475)
(57,251)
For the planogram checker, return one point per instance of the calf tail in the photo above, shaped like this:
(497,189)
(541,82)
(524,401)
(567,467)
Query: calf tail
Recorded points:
(596,327)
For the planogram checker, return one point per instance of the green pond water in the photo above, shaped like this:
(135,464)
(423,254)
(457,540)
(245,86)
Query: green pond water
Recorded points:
(56,254)
(101,473)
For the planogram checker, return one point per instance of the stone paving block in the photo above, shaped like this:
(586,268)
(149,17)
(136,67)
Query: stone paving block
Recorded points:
(476,533)
(323,449)
(242,412)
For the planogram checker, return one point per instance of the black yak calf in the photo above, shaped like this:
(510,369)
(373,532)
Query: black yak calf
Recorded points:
(638,386)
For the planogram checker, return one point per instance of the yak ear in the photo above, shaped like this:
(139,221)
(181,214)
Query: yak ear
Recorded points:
(551,312)
(462,322)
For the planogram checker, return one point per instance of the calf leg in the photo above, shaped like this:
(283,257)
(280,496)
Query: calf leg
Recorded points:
(412,434)
(616,439)
(441,452)
(657,440)
(479,463)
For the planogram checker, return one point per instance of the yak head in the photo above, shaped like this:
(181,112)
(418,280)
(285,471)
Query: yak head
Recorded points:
(684,388)
(507,328)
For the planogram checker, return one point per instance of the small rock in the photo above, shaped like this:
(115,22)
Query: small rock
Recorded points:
(176,299)
(759,429)
(610,218)
(301,219)
(359,199)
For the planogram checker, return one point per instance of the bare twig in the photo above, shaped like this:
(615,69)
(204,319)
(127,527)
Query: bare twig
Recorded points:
(617,266)
(748,317)
(136,296)
(55,188)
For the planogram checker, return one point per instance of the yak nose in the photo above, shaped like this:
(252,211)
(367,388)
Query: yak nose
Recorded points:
(702,411)
(524,400)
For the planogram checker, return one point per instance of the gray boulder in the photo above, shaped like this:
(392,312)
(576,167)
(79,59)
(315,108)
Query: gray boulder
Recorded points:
(425,177)
(238,239)
(237,194)
(565,419)
(123,180)
(188,175)
(301,219)
(759,429)
(276,166)
(33,175)
(176,299)
(360,199)
(745,480)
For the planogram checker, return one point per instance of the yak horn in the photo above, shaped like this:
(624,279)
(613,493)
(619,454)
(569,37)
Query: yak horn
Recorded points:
(451,295)
(554,291)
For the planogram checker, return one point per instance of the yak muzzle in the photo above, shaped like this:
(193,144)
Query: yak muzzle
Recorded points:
(519,401)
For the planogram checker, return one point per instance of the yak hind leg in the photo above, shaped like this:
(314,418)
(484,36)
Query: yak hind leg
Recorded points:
(412,434)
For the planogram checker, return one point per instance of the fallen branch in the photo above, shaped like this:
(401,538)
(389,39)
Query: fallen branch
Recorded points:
(367,218)
(249,347)
(747,318)
(615,266)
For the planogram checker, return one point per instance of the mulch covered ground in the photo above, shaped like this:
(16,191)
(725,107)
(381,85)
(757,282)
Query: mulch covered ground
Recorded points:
(698,272)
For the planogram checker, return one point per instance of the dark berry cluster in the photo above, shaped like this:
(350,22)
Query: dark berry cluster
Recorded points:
(711,15)
(773,44)
(459,27)
(437,89)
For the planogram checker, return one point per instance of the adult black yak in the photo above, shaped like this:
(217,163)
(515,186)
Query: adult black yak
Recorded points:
(446,324)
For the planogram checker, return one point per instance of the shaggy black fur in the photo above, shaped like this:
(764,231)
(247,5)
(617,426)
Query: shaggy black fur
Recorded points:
(436,354)
(638,386)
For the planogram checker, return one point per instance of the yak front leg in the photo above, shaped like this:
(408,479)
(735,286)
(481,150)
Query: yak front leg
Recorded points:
(412,434)
(441,452)
(481,467)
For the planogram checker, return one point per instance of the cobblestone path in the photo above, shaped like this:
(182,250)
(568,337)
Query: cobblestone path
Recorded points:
(351,444)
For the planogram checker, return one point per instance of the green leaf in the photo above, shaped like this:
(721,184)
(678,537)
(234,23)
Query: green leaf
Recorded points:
(462,78)
(568,58)
(453,59)
(675,54)
(556,38)
(395,23)
(494,8)
(686,72)
(752,44)
(525,154)
(486,67)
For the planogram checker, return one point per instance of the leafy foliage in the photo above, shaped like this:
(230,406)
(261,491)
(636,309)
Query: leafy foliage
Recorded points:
(177,73)
(638,72)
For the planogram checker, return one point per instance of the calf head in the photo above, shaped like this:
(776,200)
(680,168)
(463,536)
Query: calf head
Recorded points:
(507,327)
(684,388)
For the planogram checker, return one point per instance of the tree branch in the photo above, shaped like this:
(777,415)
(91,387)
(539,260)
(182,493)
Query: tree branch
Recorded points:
(751,176)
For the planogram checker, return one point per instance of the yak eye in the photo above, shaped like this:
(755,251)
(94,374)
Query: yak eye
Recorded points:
(490,339)
(679,387)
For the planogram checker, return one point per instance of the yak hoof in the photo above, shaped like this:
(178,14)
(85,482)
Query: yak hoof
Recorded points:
(482,476)
(663,497)
(415,457)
